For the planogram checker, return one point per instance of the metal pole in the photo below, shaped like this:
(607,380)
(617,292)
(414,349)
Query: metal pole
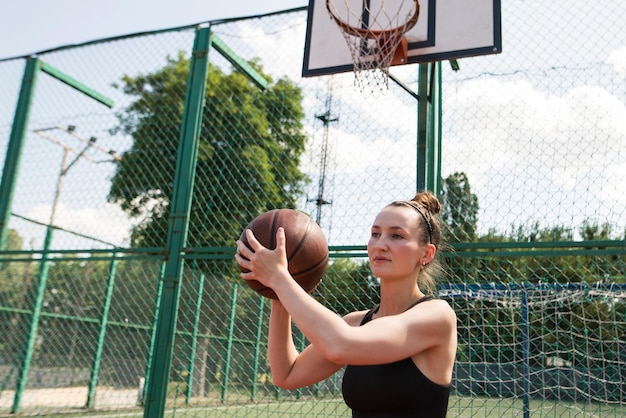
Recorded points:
(194,339)
(155,325)
(229,344)
(104,319)
(257,347)
(422,125)
(16,144)
(439,135)
(434,129)
(525,354)
(178,226)
(42,279)
(429,127)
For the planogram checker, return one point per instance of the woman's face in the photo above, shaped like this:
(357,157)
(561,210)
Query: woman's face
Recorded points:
(393,248)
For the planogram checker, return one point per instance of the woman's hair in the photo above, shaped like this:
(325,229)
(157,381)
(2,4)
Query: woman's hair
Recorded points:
(428,207)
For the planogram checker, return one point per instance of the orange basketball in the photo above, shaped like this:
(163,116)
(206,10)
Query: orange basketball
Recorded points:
(306,246)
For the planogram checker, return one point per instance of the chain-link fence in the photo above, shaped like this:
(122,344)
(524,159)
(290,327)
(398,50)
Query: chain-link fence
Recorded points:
(119,232)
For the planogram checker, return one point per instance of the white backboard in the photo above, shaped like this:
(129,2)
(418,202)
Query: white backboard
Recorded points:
(446,29)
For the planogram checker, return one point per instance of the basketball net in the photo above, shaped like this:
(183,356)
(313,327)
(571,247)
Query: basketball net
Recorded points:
(375,37)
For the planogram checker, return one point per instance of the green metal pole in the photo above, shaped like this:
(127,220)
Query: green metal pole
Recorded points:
(178,225)
(40,292)
(434,129)
(257,347)
(104,319)
(301,346)
(157,302)
(429,127)
(16,144)
(194,338)
(12,163)
(439,111)
(422,125)
(229,343)
(29,350)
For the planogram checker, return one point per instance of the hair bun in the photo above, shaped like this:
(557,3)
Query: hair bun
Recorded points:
(428,201)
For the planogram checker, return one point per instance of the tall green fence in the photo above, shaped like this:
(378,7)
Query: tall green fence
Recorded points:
(132,164)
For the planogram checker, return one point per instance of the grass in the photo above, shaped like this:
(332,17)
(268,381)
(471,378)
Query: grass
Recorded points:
(459,407)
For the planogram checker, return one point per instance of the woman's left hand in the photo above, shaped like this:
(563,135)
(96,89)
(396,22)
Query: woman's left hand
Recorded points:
(262,263)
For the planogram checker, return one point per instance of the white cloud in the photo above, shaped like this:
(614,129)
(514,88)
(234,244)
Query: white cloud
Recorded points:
(618,60)
(565,154)
(107,223)
(281,47)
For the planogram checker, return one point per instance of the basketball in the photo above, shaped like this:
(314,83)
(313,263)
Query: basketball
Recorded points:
(306,247)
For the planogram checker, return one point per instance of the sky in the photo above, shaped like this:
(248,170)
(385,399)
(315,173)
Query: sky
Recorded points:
(561,100)
(28,26)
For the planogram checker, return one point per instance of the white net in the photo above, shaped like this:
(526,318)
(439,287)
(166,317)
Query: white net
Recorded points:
(548,341)
(374,32)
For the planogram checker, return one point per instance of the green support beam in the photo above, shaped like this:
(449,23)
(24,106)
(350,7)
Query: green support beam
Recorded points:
(19,127)
(75,84)
(158,377)
(239,63)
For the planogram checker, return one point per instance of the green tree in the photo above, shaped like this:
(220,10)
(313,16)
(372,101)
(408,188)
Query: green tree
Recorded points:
(459,214)
(460,208)
(15,277)
(348,285)
(248,157)
(14,274)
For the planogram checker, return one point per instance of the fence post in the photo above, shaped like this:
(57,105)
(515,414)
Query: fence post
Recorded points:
(155,316)
(429,127)
(257,347)
(95,369)
(158,377)
(194,340)
(16,144)
(9,177)
(229,344)
(525,353)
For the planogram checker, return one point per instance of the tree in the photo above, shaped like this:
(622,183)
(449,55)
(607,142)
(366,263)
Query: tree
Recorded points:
(348,285)
(248,162)
(13,275)
(248,157)
(16,278)
(460,208)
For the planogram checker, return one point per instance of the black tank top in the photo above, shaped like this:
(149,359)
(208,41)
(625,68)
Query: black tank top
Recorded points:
(396,389)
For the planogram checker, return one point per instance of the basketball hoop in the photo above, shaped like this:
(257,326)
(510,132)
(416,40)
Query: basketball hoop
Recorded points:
(375,35)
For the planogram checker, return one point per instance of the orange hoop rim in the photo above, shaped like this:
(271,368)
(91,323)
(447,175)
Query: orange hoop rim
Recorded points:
(374,34)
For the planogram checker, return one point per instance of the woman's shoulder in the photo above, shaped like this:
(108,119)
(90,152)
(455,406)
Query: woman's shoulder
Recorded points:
(354,318)
(436,307)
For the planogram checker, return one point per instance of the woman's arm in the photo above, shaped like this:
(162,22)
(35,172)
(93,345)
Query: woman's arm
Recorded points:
(384,340)
(290,369)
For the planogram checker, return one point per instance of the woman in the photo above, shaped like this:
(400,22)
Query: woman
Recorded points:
(399,355)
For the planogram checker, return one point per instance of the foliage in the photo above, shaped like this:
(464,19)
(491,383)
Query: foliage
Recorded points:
(348,286)
(248,155)
(14,275)
(459,208)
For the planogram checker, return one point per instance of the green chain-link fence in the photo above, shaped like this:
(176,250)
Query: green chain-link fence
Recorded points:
(119,228)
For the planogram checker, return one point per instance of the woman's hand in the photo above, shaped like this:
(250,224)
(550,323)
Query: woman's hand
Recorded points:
(263,264)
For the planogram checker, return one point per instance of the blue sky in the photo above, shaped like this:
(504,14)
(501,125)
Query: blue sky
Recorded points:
(28,26)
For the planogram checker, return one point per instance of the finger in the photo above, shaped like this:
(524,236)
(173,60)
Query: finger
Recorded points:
(243,250)
(280,239)
(252,241)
